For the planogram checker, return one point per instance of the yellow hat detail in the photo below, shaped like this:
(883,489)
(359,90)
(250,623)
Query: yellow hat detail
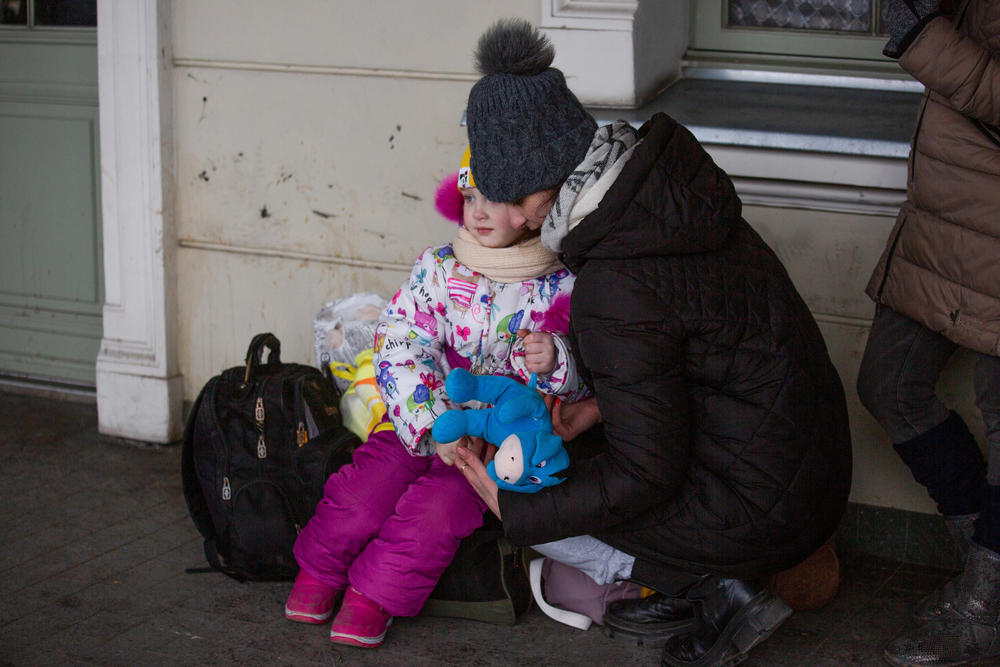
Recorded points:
(465,179)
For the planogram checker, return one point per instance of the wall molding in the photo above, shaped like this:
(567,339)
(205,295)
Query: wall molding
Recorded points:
(328,70)
(278,253)
(819,196)
(589,14)
(139,391)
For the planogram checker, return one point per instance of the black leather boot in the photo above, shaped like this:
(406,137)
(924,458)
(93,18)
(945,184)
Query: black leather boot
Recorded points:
(968,630)
(734,616)
(649,621)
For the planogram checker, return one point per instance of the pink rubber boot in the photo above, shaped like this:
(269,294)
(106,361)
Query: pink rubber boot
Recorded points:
(311,601)
(360,621)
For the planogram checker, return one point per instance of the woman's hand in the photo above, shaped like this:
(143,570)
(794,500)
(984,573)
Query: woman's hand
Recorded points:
(571,419)
(478,446)
(475,472)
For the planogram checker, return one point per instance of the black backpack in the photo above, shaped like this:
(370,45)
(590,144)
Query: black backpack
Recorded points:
(259,444)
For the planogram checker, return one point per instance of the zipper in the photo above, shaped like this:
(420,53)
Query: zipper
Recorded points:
(259,419)
(258,414)
(916,137)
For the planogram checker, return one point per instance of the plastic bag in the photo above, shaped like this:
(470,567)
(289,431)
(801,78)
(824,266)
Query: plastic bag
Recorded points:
(361,406)
(343,328)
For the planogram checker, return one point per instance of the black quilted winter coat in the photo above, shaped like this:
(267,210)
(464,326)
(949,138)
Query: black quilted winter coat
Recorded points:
(727,442)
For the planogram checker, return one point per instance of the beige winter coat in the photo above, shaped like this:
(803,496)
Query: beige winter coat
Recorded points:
(941,266)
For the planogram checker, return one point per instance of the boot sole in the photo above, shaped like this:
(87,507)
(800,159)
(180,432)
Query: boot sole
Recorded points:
(750,626)
(651,637)
(359,641)
(306,617)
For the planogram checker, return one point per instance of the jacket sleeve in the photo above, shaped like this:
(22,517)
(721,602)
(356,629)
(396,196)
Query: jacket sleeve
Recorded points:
(635,363)
(563,381)
(408,362)
(957,68)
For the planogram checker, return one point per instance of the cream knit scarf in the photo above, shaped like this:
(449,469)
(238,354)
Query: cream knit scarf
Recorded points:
(526,260)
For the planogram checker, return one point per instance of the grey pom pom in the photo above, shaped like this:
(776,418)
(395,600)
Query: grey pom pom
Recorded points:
(513,46)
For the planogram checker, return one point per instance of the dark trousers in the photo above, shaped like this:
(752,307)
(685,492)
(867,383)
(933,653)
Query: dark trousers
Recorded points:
(898,379)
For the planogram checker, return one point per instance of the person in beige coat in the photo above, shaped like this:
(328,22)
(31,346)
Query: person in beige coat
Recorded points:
(937,288)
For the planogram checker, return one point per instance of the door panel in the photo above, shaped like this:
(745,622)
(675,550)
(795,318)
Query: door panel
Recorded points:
(51,278)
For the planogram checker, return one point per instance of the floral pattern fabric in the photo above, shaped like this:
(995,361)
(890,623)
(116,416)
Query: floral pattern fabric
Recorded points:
(444,304)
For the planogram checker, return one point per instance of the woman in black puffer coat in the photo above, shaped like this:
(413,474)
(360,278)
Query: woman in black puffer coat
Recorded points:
(728,447)
(726,450)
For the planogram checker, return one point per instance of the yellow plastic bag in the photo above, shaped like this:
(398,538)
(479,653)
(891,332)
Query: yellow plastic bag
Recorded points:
(361,405)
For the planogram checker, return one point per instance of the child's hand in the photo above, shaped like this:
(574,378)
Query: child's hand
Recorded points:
(446,450)
(539,351)
(484,450)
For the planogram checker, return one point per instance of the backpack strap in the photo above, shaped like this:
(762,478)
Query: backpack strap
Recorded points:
(255,353)
(193,495)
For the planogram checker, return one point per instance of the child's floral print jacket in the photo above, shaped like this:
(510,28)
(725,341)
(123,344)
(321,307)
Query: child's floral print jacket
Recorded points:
(447,315)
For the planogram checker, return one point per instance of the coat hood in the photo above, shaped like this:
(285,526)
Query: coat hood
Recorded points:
(670,199)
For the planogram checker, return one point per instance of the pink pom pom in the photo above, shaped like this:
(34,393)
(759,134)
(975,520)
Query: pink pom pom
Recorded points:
(448,200)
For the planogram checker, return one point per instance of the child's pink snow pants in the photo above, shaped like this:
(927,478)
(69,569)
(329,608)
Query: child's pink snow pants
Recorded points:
(389,524)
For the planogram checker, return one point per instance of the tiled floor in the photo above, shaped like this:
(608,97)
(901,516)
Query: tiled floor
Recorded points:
(95,539)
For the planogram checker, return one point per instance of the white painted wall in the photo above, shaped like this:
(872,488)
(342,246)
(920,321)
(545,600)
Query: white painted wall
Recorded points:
(340,118)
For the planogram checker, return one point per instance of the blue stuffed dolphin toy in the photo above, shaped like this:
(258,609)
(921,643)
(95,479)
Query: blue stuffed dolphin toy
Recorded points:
(529,456)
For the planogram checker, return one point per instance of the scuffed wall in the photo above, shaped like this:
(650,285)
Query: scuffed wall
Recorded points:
(310,138)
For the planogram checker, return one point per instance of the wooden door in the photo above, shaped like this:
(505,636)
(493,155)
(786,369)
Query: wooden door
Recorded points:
(51,279)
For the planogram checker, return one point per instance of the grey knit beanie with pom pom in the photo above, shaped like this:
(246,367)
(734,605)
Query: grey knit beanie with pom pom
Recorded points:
(527,131)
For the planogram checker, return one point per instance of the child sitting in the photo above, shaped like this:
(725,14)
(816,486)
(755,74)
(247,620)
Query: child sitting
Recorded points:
(390,522)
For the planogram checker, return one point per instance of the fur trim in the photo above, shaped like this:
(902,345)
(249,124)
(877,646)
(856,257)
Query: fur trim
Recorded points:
(556,317)
(448,199)
(513,46)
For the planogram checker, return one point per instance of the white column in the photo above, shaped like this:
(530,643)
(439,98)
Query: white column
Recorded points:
(617,53)
(139,391)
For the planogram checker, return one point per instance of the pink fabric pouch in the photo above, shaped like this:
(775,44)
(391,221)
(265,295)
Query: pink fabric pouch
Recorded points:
(567,588)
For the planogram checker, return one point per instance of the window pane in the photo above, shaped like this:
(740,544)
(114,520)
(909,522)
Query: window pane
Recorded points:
(882,20)
(840,15)
(66,13)
(15,12)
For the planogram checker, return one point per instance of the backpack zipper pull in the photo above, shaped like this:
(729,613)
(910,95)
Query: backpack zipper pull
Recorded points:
(258,412)
(301,436)
(227,491)
(261,447)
